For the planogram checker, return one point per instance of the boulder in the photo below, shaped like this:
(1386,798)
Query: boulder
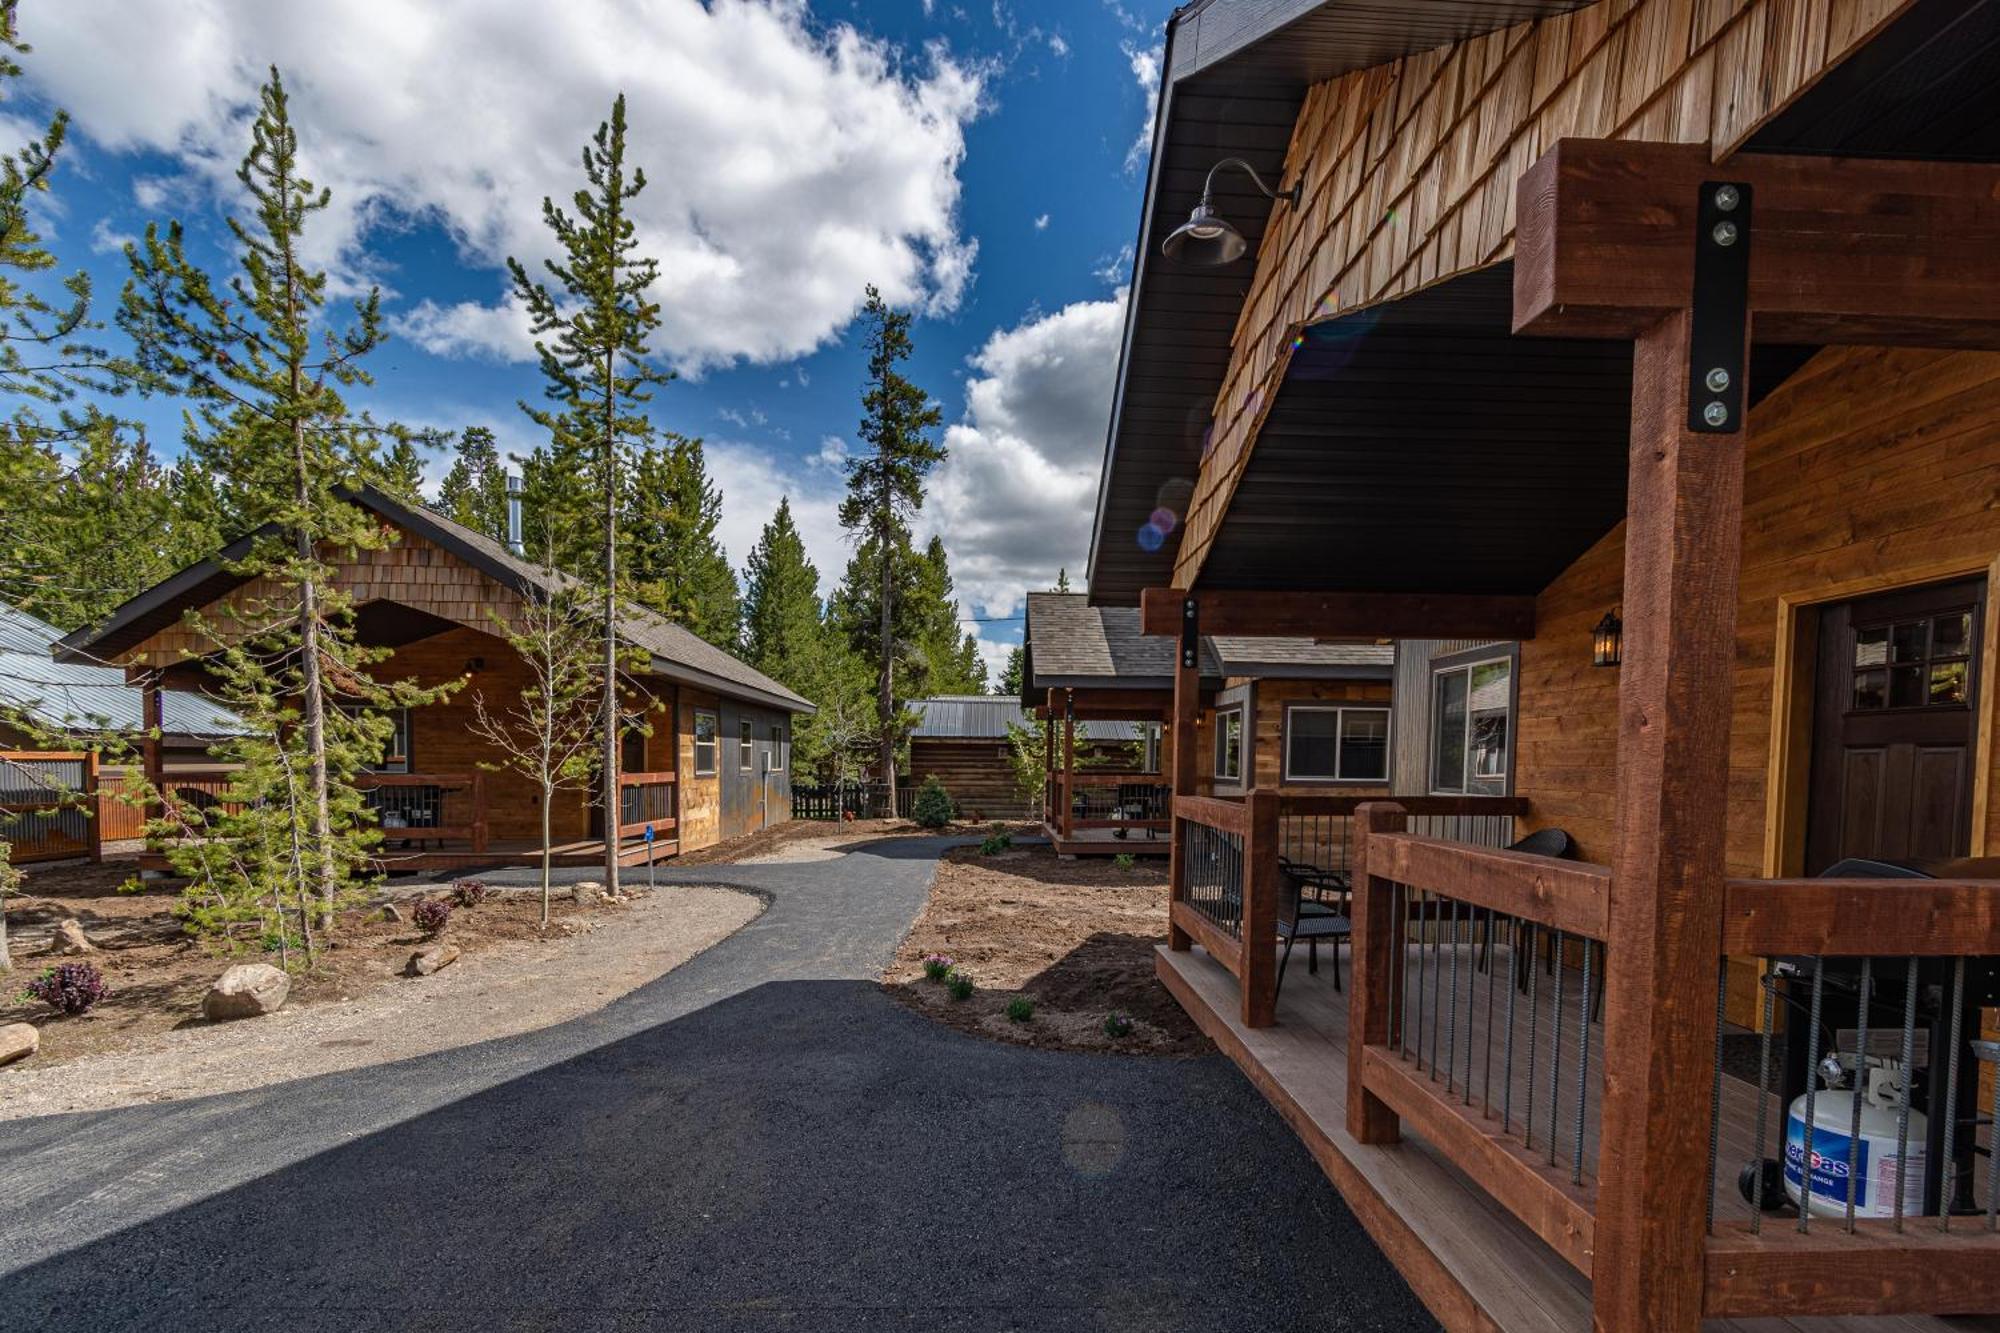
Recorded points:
(70,939)
(246,991)
(586,891)
(426,961)
(391,912)
(18,1041)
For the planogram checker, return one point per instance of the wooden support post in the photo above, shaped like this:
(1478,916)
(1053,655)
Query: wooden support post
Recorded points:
(93,804)
(479,811)
(151,754)
(1378,948)
(1259,978)
(1683,537)
(1049,770)
(1187,705)
(1069,765)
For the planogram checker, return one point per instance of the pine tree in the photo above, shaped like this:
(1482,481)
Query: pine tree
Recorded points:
(1011,675)
(885,489)
(266,373)
(474,491)
(677,567)
(592,341)
(782,624)
(948,659)
(398,470)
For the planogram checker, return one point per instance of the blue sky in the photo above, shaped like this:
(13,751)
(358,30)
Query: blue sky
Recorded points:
(980,161)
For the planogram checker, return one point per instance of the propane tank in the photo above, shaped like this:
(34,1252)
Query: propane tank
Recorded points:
(1874,1161)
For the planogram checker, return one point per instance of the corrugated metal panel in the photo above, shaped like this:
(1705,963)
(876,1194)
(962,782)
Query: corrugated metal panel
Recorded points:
(87,698)
(987,717)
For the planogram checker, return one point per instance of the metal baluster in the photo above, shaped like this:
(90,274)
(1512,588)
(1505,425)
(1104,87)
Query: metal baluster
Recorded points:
(1948,1168)
(1903,1102)
(1451,1024)
(1715,1092)
(1437,974)
(1423,969)
(1507,1060)
(1396,990)
(1812,1094)
(1556,1054)
(1769,984)
(1993,1167)
(1534,1016)
(1582,1063)
(1860,1086)
(1491,938)
(1403,971)
(1465,946)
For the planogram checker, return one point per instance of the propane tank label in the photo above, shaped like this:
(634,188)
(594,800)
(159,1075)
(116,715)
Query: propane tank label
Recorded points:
(1829,1163)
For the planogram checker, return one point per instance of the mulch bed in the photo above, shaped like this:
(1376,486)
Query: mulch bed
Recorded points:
(1075,936)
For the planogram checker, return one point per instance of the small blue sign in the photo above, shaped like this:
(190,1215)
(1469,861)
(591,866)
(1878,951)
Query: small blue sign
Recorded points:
(649,833)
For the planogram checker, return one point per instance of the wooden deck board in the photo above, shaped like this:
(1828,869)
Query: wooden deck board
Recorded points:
(1479,1266)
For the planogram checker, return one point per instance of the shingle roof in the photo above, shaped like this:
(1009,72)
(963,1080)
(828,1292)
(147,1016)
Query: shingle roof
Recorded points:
(1071,642)
(987,717)
(678,654)
(78,697)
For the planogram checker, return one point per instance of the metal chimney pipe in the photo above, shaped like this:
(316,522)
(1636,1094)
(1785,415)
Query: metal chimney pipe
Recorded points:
(514,514)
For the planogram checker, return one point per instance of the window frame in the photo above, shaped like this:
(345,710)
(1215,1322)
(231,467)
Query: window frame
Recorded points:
(746,745)
(1465,664)
(714,742)
(1235,712)
(1340,709)
(400,716)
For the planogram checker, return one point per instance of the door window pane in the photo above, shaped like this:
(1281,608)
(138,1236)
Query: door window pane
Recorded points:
(1229,745)
(1364,745)
(1948,683)
(1871,647)
(1951,636)
(1906,686)
(1448,740)
(1871,689)
(1907,641)
(1312,744)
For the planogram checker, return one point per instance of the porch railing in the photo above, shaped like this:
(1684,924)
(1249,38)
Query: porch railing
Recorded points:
(413,811)
(1318,831)
(648,800)
(1224,890)
(1473,1017)
(1114,799)
(48,805)
(1883,981)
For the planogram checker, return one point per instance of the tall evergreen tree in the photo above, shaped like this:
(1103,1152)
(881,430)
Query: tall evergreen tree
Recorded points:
(398,470)
(885,489)
(592,335)
(265,373)
(1010,676)
(676,565)
(474,491)
(782,623)
(948,657)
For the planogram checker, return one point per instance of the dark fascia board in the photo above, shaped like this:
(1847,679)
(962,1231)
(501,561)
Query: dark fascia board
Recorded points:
(75,647)
(1043,684)
(702,680)
(1301,671)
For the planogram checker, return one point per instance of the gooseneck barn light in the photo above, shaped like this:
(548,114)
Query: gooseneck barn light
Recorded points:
(1206,239)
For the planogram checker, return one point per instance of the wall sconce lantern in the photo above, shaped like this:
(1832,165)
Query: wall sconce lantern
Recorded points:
(1607,641)
(1207,239)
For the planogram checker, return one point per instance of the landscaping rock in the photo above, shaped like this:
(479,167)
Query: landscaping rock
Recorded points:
(426,961)
(18,1041)
(586,892)
(247,990)
(391,912)
(70,939)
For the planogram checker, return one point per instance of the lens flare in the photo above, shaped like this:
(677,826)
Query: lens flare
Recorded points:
(1151,538)
(1166,520)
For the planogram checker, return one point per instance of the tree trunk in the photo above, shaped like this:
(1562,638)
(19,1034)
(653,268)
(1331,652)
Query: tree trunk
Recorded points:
(314,689)
(548,798)
(611,801)
(885,697)
(6,959)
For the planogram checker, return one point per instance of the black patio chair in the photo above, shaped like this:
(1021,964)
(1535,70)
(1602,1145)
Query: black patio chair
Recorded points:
(1552,842)
(1311,920)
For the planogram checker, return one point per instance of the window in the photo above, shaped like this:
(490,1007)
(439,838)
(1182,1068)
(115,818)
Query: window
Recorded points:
(1324,743)
(1472,728)
(706,729)
(396,749)
(1229,745)
(1916,663)
(777,748)
(746,746)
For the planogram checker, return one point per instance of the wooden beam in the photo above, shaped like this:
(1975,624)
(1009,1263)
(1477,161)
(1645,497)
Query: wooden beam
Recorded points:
(1684,532)
(1861,916)
(1069,767)
(1342,615)
(1545,1202)
(1569,895)
(1842,250)
(1377,947)
(1875,1271)
(1119,702)
(1414,806)
(1259,975)
(1187,708)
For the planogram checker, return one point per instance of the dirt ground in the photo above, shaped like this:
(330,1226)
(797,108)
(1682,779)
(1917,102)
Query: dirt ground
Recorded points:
(1076,936)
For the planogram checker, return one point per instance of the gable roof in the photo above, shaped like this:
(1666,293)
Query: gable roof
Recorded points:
(73,695)
(987,717)
(1072,643)
(677,653)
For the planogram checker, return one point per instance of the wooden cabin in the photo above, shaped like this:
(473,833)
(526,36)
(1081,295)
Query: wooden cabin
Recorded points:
(965,741)
(707,756)
(1310,719)
(1633,365)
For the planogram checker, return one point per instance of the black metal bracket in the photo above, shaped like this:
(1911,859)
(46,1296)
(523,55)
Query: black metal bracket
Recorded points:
(1190,634)
(1718,351)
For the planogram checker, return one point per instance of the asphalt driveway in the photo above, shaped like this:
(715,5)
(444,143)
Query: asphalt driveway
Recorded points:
(761,1139)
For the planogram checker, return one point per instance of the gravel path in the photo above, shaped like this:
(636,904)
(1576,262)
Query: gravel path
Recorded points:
(760,1139)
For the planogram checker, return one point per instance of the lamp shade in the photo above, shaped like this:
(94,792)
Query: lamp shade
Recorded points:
(1607,641)
(1206,239)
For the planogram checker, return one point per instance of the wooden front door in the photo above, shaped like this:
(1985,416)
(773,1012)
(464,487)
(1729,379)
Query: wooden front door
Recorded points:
(1895,727)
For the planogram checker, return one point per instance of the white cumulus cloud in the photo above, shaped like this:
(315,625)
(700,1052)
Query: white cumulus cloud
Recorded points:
(1014,499)
(790,161)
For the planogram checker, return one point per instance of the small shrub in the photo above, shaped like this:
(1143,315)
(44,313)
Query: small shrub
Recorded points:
(932,808)
(996,844)
(69,988)
(959,984)
(938,966)
(431,914)
(1125,860)
(1020,1009)
(1117,1025)
(469,892)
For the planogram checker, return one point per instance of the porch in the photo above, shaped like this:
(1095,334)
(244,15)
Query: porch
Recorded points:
(1463,1125)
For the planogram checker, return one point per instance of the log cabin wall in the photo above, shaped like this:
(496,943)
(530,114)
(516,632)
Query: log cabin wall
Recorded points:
(978,771)
(1868,469)
(1408,168)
